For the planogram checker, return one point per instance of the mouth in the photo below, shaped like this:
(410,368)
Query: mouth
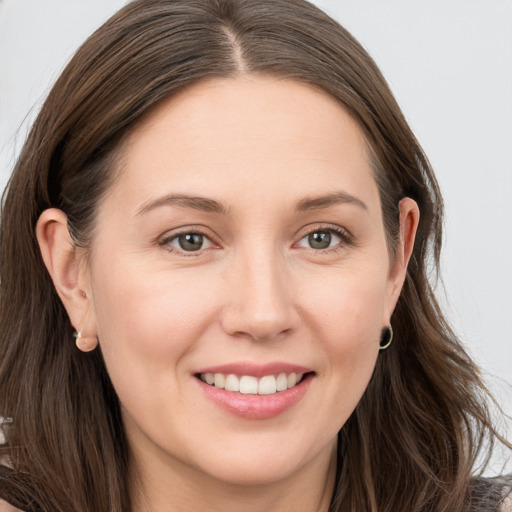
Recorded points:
(255,392)
(251,385)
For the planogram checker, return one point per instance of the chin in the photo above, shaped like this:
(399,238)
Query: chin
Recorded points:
(266,465)
(247,473)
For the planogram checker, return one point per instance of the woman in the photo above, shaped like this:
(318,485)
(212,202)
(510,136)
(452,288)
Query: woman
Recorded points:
(214,281)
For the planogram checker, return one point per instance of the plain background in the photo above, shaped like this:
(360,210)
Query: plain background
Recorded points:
(449,63)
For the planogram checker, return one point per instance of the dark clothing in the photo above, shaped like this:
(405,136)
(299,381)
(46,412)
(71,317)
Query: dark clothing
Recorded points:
(487,490)
(13,497)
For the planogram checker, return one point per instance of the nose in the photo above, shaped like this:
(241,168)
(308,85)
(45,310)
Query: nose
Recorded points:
(260,300)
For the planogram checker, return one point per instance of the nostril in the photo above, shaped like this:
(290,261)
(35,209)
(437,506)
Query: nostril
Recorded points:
(260,312)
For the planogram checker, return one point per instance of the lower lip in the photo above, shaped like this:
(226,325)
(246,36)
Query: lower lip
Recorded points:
(256,407)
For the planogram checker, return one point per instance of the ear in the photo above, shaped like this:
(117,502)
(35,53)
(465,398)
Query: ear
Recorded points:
(409,220)
(65,264)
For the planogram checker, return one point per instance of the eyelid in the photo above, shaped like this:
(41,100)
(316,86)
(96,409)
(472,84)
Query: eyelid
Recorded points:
(165,239)
(346,236)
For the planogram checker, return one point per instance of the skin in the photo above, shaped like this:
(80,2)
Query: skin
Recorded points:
(256,290)
(5,507)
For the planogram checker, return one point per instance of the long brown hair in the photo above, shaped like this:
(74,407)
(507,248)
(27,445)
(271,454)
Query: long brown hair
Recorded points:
(413,440)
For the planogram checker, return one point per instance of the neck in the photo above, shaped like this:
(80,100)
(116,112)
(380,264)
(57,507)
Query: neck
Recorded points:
(179,488)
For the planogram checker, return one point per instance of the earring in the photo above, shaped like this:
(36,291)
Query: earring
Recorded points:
(386,338)
(83,343)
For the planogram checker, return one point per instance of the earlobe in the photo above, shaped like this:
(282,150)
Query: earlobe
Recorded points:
(63,263)
(85,344)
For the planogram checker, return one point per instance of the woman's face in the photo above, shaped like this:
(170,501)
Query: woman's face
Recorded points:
(241,244)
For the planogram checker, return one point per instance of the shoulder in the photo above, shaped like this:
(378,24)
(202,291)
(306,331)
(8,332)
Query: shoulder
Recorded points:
(492,494)
(5,493)
(503,486)
(506,506)
(5,507)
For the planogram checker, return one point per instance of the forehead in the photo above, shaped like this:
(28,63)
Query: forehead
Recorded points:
(252,134)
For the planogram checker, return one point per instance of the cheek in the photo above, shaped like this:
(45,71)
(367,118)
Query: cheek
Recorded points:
(348,305)
(346,312)
(148,315)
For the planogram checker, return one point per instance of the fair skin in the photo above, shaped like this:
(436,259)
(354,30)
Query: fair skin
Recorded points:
(285,270)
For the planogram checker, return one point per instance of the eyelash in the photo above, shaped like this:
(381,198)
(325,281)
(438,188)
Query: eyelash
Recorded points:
(344,235)
(190,230)
(346,238)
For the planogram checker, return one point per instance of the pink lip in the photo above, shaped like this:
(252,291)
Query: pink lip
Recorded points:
(254,407)
(256,370)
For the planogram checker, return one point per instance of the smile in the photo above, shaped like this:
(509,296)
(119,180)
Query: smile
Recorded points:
(253,391)
(250,385)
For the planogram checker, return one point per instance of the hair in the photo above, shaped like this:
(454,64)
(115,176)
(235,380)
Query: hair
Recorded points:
(413,441)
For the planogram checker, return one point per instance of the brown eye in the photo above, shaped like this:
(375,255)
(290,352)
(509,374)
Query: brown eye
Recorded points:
(190,241)
(187,242)
(320,240)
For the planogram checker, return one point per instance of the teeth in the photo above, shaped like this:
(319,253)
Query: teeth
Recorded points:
(232,383)
(249,385)
(267,385)
(219,380)
(281,382)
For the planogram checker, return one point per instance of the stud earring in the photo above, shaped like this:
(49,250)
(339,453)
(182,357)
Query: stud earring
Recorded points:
(386,338)
(83,343)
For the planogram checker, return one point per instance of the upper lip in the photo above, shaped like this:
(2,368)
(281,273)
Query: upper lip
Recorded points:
(255,370)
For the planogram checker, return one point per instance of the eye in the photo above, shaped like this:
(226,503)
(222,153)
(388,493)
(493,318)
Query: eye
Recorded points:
(188,242)
(321,239)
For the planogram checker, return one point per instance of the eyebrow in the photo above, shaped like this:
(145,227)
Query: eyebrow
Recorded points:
(208,205)
(317,203)
(203,204)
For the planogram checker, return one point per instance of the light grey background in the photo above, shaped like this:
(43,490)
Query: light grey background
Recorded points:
(449,63)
